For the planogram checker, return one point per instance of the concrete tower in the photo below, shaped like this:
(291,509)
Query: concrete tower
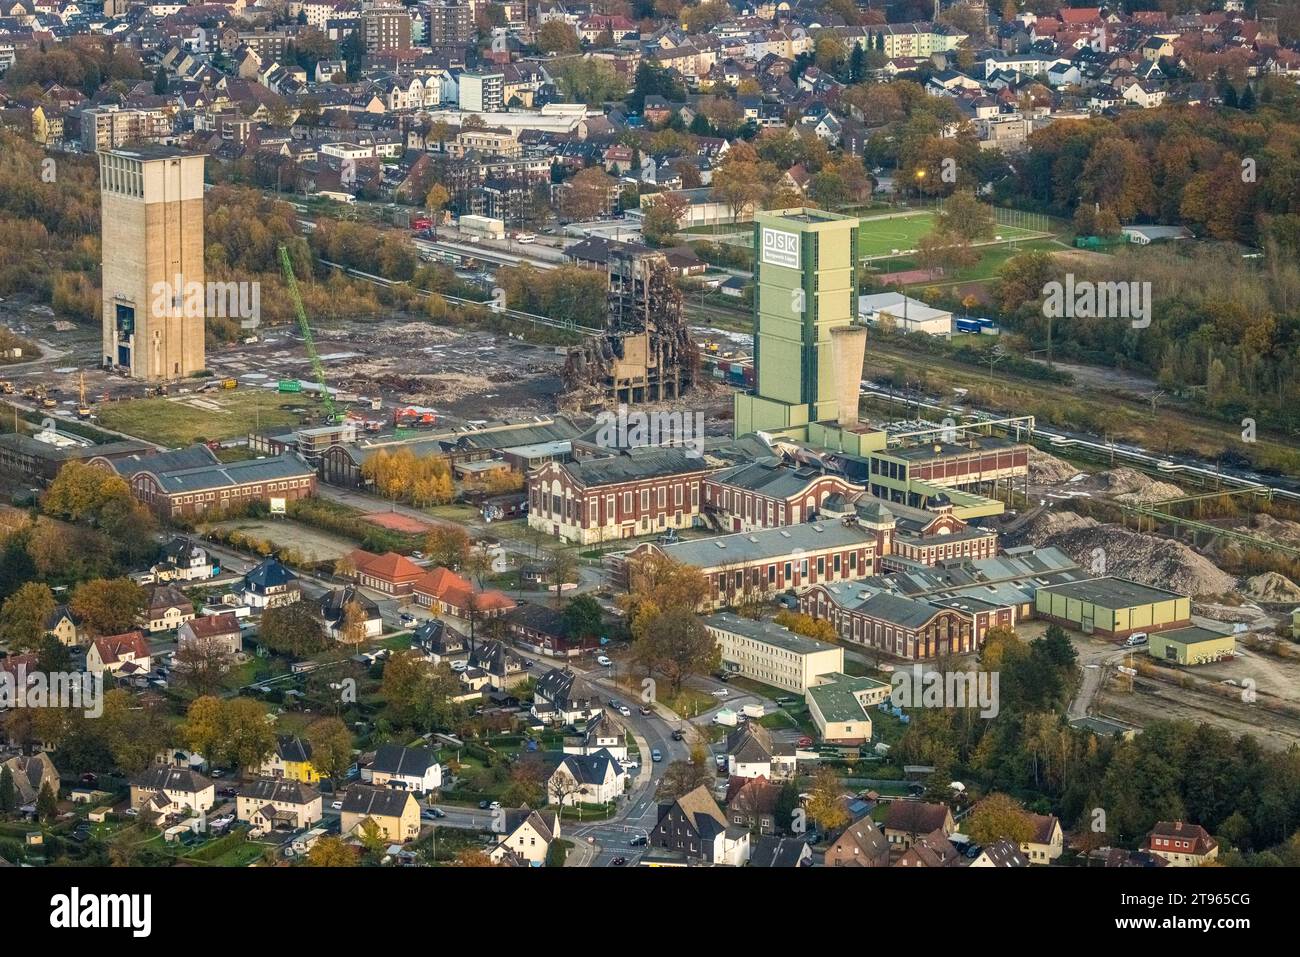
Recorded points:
(805,286)
(152,240)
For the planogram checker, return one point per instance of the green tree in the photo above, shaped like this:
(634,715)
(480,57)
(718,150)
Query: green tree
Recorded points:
(47,804)
(331,747)
(999,817)
(8,792)
(24,613)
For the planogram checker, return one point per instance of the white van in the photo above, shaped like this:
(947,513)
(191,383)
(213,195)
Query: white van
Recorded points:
(1137,638)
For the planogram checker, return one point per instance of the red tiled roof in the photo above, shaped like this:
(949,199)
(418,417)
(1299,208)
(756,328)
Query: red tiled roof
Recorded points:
(113,648)
(446,586)
(208,626)
(390,566)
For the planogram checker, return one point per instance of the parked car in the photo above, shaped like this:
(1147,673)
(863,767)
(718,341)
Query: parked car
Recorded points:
(679,735)
(645,709)
(482,805)
(337,805)
(804,742)
(630,764)
(639,841)
(495,805)
(625,711)
(722,693)
(656,755)
(1137,638)
(603,661)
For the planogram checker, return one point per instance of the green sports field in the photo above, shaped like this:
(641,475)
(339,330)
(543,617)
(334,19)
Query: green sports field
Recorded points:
(880,236)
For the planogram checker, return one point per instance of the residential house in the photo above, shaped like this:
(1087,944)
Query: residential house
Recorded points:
(290,761)
(694,828)
(600,733)
(438,642)
(492,663)
(906,821)
(1181,844)
(411,769)
(752,753)
(1048,841)
(163,791)
(183,560)
(212,631)
(335,606)
(545,630)
(526,837)
(1001,853)
(166,608)
(861,845)
(930,850)
(751,804)
(278,805)
(30,774)
(125,655)
(64,624)
(772,851)
(395,812)
(269,585)
(559,697)
(586,779)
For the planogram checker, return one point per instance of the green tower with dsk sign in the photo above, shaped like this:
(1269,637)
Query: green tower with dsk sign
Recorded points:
(805,285)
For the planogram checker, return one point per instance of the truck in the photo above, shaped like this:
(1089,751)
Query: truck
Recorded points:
(289,385)
(482,226)
(726,717)
(420,224)
(230,383)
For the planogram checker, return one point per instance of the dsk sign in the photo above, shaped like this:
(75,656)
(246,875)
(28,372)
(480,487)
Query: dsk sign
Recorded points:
(780,248)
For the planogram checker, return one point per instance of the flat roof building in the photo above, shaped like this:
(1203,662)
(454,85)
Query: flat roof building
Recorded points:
(1113,607)
(765,651)
(1191,646)
(838,706)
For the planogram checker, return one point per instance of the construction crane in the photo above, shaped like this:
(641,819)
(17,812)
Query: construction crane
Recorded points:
(331,412)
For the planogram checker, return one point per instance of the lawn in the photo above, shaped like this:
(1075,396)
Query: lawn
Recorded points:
(181,420)
(879,236)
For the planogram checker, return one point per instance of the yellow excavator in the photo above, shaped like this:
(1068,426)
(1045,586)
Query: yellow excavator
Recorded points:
(83,407)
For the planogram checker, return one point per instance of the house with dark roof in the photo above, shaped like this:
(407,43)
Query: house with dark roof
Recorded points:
(772,851)
(751,804)
(545,630)
(1000,853)
(164,791)
(1048,842)
(752,753)
(930,850)
(560,697)
(526,837)
(30,774)
(270,584)
(599,733)
(64,624)
(291,760)
(906,821)
(438,642)
(394,812)
(278,805)
(334,607)
(166,608)
(694,828)
(862,844)
(410,769)
(184,560)
(491,663)
(586,779)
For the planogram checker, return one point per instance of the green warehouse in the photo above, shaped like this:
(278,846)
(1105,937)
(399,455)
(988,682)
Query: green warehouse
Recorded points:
(1192,646)
(1112,607)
